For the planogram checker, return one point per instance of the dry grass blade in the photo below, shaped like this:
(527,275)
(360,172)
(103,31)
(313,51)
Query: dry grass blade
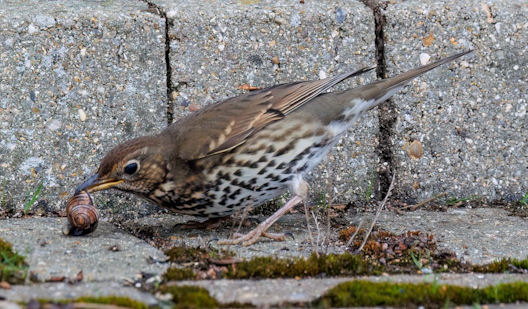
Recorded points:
(310,235)
(355,233)
(378,213)
(429,200)
(226,261)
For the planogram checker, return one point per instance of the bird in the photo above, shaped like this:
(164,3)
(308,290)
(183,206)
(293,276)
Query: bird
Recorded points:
(245,150)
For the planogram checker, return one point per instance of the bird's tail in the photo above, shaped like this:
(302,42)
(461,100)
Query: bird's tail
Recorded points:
(380,91)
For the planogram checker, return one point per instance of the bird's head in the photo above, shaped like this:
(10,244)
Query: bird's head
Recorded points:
(137,166)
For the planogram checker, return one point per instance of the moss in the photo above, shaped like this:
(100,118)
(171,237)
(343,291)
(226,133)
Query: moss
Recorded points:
(13,267)
(388,253)
(200,258)
(177,274)
(502,265)
(190,297)
(430,295)
(184,254)
(330,265)
(122,302)
(113,300)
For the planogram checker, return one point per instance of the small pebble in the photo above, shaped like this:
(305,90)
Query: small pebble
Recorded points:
(322,74)
(194,107)
(280,21)
(54,125)
(275,60)
(415,149)
(82,114)
(515,67)
(32,29)
(424,58)
(340,15)
(426,270)
(5,285)
(114,248)
(295,20)
(174,95)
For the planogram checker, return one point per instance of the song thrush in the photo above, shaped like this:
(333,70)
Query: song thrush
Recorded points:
(244,150)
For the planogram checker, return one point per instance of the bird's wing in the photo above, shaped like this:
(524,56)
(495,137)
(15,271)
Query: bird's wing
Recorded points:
(225,125)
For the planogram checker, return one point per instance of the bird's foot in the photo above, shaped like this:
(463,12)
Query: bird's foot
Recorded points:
(252,237)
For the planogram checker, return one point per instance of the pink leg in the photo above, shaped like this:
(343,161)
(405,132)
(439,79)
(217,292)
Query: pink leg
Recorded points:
(252,237)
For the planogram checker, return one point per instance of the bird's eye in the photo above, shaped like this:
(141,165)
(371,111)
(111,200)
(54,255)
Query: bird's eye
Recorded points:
(131,167)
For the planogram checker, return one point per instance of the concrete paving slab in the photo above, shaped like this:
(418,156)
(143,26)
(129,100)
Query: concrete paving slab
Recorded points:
(215,49)
(479,235)
(61,291)
(470,117)
(108,254)
(169,227)
(76,77)
(276,292)
(476,235)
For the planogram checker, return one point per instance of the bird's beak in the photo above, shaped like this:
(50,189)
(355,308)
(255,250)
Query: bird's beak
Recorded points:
(94,183)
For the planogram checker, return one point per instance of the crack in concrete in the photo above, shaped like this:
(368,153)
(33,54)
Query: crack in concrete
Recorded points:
(387,115)
(168,69)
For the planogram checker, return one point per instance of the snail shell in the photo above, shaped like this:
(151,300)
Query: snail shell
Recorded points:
(82,215)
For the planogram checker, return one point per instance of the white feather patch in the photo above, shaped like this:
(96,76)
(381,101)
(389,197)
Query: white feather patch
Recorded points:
(360,106)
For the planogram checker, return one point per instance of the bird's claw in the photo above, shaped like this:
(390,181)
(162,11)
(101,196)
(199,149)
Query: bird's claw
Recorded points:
(251,237)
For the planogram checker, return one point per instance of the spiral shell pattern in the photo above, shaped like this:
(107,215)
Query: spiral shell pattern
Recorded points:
(82,215)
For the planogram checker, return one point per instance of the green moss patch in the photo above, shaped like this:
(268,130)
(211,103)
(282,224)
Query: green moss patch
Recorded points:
(184,254)
(206,267)
(204,263)
(505,265)
(13,267)
(120,301)
(113,300)
(178,274)
(323,265)
(190,297)
(430,295)
(408,253)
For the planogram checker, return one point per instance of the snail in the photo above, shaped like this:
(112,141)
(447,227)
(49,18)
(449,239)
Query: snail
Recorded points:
(82,215)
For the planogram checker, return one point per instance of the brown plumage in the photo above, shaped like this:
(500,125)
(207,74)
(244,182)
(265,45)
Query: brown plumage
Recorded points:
(244,150)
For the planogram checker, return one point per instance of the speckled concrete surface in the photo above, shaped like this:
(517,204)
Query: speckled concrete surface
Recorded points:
(25,293)
(277,292)
(479,235)
(217,48)
(169,227)
(108,254)
(76,78)
(470,116)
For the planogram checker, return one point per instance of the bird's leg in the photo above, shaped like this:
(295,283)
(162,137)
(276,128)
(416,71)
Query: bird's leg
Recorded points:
(252,237)
(274,236)
(300,188)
